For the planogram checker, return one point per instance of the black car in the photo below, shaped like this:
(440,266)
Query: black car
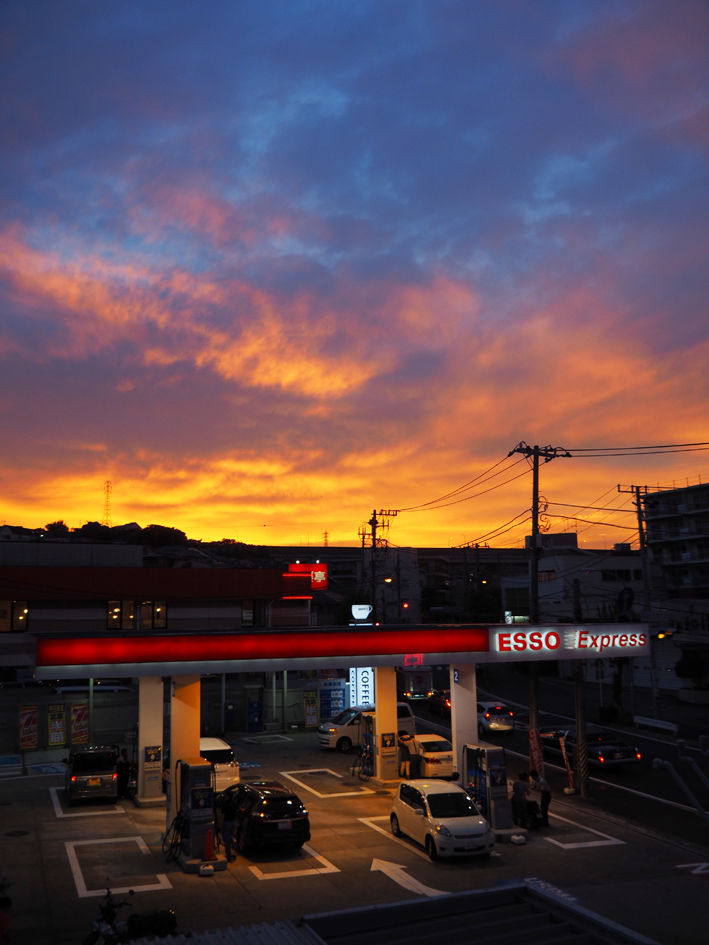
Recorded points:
(440,702)
(604,749)
(267,815)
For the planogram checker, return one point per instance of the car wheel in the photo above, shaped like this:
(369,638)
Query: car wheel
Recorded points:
(431,848)
(395,829)
(344,745)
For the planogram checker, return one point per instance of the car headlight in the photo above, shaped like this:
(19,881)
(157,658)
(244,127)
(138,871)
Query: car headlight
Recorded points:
(444,831)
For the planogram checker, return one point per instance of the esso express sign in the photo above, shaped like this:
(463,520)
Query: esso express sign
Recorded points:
(570,642)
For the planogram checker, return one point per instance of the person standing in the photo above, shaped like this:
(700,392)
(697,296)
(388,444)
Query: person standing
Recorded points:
(520,795)
(404,756)
(228,805)
(542,785)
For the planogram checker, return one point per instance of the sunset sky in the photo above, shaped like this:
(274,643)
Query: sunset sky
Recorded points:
(269,266)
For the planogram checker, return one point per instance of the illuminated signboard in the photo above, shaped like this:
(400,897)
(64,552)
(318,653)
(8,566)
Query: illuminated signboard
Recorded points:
(543,643)
(317,572)
(362,686)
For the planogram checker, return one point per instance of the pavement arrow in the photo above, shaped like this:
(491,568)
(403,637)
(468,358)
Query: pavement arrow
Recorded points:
(397,872)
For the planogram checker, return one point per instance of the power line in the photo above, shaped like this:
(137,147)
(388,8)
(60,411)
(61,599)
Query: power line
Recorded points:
(440,502)
(500,530)
(662,446)
(574,518)
(596,508)
(650,452)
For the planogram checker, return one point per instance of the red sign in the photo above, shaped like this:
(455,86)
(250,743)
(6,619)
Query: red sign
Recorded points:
(29,735)
(79,723)
(413,659)
(317,572)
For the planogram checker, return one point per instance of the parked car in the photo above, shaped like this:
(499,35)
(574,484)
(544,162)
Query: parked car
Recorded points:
(442,817)
(604,749)
(435,755)
(440,703)
(494,717)
(345,730)
(91,772)
(267,815)
(221,756)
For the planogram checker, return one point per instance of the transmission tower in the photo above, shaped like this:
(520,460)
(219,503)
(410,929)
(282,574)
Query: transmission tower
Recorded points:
(107,503)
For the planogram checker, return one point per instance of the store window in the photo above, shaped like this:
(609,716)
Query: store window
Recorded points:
(13,616)
(153,614)
(128,614)
(121,615)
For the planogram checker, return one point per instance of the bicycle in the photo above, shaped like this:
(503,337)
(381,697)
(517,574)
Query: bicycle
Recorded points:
(360,766)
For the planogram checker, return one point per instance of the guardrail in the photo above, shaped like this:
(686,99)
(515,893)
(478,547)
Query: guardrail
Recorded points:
(659,725)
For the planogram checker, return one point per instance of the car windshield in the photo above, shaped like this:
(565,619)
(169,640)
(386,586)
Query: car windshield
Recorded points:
(94,761)
(435,744)
(344,717)
(218,756)
(454,804)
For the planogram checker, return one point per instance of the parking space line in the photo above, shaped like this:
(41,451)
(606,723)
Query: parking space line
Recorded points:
(407,844)
(306,787)
(83,893)
(327,867)
(607,840)
(85,812)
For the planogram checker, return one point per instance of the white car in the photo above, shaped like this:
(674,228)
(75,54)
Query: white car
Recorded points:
(495,717)
(435,755)
(442,817)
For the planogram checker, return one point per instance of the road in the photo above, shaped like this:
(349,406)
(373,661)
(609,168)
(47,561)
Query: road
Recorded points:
(59,858)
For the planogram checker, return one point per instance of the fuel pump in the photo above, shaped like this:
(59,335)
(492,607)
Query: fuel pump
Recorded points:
(484,776)
(195,786)
(367,746)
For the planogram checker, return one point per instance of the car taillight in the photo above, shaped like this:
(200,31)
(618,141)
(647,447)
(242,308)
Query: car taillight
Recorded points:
(487,715)
(115,776)
(430,760)
(601,759)
(73,777)
(638,755)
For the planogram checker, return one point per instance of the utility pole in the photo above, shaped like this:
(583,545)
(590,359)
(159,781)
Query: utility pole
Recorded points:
(547,453)
(374,524)
(642,541)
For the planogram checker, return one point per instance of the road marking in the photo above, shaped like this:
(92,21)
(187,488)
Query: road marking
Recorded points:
(396,872)
(372,822)
(695,868)
(83,893)
(607,840)
(306,787)
(86,812)
(327,867)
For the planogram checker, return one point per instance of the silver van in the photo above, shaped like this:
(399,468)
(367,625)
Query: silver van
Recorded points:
(91,772)
(221,757)
(345,729)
